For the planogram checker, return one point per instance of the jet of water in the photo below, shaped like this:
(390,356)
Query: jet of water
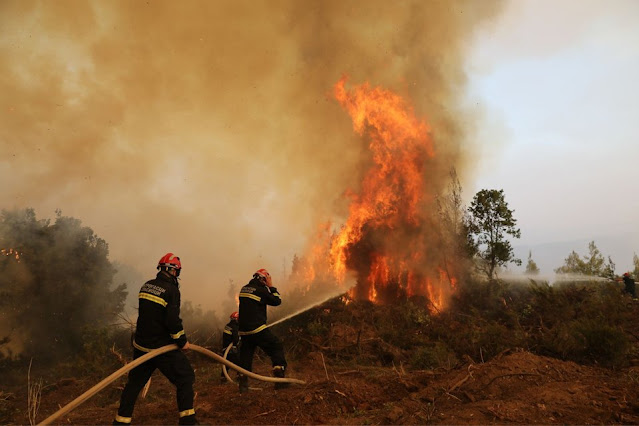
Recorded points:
(296,313)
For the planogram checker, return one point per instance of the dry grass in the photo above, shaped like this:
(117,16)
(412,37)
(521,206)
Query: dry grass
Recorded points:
(34,396)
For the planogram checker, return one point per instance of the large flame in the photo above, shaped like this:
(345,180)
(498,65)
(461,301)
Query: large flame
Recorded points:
(382,240)
(386,241)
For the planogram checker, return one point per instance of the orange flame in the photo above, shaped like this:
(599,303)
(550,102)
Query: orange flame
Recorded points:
(392,189)
(384,241)
(381,240)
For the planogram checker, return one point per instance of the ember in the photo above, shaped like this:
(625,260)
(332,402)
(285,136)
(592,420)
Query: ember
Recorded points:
(11,252)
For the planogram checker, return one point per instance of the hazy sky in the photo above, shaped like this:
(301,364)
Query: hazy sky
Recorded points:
(559,85)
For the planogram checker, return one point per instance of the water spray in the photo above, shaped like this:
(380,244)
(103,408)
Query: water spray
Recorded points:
(554,278)
(301,311)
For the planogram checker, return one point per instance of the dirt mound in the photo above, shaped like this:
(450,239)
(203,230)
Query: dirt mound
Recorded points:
(526,388)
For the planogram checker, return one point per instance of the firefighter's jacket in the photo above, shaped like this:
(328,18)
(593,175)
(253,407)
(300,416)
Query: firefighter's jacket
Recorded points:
(159,321)
(231,334)
(254,297)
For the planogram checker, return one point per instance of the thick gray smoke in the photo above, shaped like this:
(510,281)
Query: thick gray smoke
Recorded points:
(207,128)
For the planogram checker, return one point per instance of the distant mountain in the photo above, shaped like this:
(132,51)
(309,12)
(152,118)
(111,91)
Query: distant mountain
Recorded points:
(549,256)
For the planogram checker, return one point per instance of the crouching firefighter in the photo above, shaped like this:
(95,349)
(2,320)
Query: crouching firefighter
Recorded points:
(231,337)
(159,324)
(254,297)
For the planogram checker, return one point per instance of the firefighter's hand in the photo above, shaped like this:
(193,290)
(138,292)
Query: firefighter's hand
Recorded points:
(186,346)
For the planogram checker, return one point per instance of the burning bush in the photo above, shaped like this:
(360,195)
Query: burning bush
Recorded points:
(400,238)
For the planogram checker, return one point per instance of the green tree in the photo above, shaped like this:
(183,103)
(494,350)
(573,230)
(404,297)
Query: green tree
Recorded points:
(61,285)
(594,264)
(490,221)
(531,266)
(635,262)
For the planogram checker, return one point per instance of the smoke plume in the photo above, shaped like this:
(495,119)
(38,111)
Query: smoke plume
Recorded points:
(208,129)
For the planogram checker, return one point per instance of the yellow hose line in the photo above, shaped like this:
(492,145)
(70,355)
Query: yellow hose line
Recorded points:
(159,351)
(226,373)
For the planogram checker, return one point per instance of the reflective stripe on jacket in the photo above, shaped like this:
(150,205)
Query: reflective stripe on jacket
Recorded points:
(159,321)
(254,297)
(230,334)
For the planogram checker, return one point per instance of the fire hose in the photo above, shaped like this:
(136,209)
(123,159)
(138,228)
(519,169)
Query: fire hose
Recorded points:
(226,373)
(130,366)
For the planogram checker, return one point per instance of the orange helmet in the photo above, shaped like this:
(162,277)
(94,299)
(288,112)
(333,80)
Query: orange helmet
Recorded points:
(170,260)
(264,276)
(235,316)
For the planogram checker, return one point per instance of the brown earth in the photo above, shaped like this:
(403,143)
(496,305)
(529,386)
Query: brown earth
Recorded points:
(515,387)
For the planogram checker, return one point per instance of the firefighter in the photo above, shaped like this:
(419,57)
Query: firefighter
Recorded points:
(231,337)
(629,285)
(254,297)
(159,324)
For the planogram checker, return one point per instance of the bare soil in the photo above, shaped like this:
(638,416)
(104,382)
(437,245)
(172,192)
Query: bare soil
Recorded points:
(515,387)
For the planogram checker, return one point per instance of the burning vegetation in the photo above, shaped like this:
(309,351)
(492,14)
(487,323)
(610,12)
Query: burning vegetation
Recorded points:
(390,240)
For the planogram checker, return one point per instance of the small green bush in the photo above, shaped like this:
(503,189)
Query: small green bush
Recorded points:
(432,356)
(96,359)
(601,343)
(316,328)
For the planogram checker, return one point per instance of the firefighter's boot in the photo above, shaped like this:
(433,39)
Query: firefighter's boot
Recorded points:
(280,372)
(243,381)
(188,420)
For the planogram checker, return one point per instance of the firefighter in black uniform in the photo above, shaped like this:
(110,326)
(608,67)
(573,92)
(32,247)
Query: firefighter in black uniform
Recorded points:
(254,297)
(159,324)
(629,285)
(231,337)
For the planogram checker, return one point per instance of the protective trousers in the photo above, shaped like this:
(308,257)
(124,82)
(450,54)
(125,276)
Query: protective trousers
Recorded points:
(630,288)
(269,344)
(176,367)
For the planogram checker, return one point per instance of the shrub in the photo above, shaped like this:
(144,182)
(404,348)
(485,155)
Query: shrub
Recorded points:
(101,351)
(316,328)
(601,343)
(432,356)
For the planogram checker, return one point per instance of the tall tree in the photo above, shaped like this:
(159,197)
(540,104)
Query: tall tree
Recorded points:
(490,221)
(61,285)
(531,266)
(635,262)
(593,264)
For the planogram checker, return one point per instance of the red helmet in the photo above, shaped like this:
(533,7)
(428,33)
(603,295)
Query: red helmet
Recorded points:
(264,276)
(235,316)
(170,260)
(625,274)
